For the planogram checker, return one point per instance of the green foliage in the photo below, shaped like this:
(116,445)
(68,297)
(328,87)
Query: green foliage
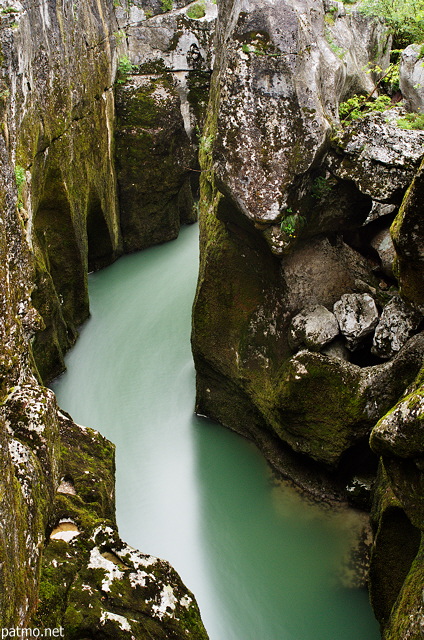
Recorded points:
(206,143)
(166,5)
(20,181)
(320,188)
(411,121)
(9,10)
(19,177)
(248,48)
(405,18)
(359,106)
(196,11)
(338,51)
(119,36)
(292,224)
(125,68)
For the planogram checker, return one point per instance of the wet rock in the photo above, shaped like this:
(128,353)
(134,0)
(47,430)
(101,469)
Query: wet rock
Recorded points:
(383,244)
(411,78)
(160,105)
(397,323)
(313,328)
(401,431)
(357,316)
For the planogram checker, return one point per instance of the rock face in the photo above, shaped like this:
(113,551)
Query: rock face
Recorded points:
(292,206)
(62,562)
(160,103)
(411,77)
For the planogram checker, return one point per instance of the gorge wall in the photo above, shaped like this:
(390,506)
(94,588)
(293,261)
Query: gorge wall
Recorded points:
(62,137)
(306,332)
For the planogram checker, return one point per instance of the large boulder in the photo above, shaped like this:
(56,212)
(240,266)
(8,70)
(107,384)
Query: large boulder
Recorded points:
(378,156)
(407,233)
(411,77)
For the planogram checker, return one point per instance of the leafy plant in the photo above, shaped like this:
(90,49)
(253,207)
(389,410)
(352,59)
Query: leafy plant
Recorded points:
(292,224)
(166,5)
(320,188)
(119,36)
(405,18)
(359,106)
(20,181)
(125,68)
(196,11)
(338,51)
(411,121)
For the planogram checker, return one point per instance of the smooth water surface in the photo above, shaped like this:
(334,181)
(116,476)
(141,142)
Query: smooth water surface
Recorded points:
(261,561)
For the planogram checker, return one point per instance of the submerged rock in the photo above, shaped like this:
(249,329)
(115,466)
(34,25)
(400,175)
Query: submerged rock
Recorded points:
(357,316)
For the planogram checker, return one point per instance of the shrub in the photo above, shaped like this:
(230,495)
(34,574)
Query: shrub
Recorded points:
(359,106)
(405,18)
(125,68)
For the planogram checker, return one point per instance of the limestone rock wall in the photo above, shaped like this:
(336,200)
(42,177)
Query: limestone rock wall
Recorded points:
(299,215)
(60,553)
(160,108)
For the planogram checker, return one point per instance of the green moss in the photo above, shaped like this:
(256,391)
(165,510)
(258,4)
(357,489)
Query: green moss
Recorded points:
(196,11)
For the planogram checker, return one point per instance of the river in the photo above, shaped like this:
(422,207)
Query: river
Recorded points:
(261,561)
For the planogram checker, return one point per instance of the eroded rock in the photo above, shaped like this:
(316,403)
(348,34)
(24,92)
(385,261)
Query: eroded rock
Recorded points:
(397,323)
(411,78)
(378,156)
(357,315)
(313,328)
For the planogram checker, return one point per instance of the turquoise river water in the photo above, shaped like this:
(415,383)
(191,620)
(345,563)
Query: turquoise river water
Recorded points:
(262,561)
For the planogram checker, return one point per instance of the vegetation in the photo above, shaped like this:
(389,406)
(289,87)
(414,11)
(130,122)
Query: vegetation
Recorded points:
(20,181)
(166,5)
(405,18)
(320,188)
(196,11)
(359,106)
(411,121)
(292,224)
(125,68)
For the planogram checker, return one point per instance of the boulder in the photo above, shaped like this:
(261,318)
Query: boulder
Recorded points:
(357,316)
(281,76)
(325,405)
(407,233)
(411,77)
(336,349)
(397,323)
(383,244)
(313,328)
(378,210)
(378,156)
